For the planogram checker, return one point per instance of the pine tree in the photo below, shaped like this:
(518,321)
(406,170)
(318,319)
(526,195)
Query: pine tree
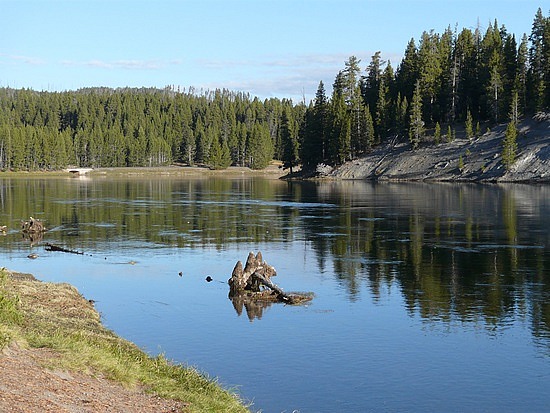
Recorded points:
(546,61)
(371,82)
(289,139)
(416,127)
(437,133)
(510,68)
(369,130)
(522,73)
(408,71)
(314,134)
(430,73)
(219,157)
(341,132)
(509,146)
(259,147)
(320,119)
(469,126)
(492,68)
(537,65)
(514,108)
(401,116)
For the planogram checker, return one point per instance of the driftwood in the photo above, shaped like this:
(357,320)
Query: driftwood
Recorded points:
(52,247)
(252,287)
(32,226)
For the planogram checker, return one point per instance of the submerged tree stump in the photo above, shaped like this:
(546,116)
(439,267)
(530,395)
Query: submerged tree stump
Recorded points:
(254,283)
(32,226)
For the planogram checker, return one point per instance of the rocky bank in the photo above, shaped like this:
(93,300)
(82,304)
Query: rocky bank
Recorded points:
(476,160)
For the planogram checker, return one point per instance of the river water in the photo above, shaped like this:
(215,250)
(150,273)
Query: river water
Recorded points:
(428,297)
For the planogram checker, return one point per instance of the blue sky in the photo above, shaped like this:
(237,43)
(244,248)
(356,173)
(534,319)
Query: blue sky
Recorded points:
(279,48)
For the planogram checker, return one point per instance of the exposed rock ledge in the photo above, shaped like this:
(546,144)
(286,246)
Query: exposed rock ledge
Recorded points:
(481,159)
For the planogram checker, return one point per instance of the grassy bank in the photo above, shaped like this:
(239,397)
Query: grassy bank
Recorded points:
(55,316)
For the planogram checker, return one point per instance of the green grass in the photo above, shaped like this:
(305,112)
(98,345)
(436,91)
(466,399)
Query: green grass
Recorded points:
(57,317)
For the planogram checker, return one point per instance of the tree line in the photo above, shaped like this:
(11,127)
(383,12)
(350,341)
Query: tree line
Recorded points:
(446,79)
(100,127)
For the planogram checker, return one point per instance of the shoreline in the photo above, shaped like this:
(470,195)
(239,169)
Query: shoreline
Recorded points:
(57,356)
(273,171)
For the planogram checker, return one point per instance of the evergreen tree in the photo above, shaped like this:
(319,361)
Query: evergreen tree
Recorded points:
(537,66)
(509,146)
(522,73)
(289,139)
(340,147)
(314,134)
(351,81)
(320,124)
(408,71)
(437,133)
(416,127)
(546,61)
(510,69)
(514,108)
(368,136)
(401,115)
(187,145)
(371,82)
(491,73)
(259,147)
(219,156)
(430,73)
(469,126)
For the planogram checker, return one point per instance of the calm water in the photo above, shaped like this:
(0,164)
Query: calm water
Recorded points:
(428,298)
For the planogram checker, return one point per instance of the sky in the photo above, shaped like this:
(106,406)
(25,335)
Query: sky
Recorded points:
(268,48)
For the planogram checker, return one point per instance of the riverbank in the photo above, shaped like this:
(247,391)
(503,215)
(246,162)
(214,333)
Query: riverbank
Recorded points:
(462,160)
(56,356)
(272,171)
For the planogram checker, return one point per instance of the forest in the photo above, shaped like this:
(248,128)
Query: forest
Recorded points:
(444,81)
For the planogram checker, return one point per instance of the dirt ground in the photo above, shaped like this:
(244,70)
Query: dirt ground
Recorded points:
(27,387)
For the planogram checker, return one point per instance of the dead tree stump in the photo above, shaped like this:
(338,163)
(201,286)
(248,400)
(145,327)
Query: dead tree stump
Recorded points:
(32,226)
(244,280)
(254,278)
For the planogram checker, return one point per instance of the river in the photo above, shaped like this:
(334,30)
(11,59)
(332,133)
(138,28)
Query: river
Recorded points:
(428,297)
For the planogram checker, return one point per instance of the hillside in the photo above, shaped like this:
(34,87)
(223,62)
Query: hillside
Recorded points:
(481,159)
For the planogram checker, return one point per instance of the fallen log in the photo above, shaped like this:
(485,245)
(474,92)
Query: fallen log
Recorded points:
(52,247)
(274,287)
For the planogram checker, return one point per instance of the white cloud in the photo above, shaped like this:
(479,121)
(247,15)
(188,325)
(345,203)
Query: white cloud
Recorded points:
(127,64)
(26,60)
(293,76)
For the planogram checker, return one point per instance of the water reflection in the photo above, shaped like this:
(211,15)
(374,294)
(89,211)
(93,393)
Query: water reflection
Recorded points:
(458,253)
(254,308)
